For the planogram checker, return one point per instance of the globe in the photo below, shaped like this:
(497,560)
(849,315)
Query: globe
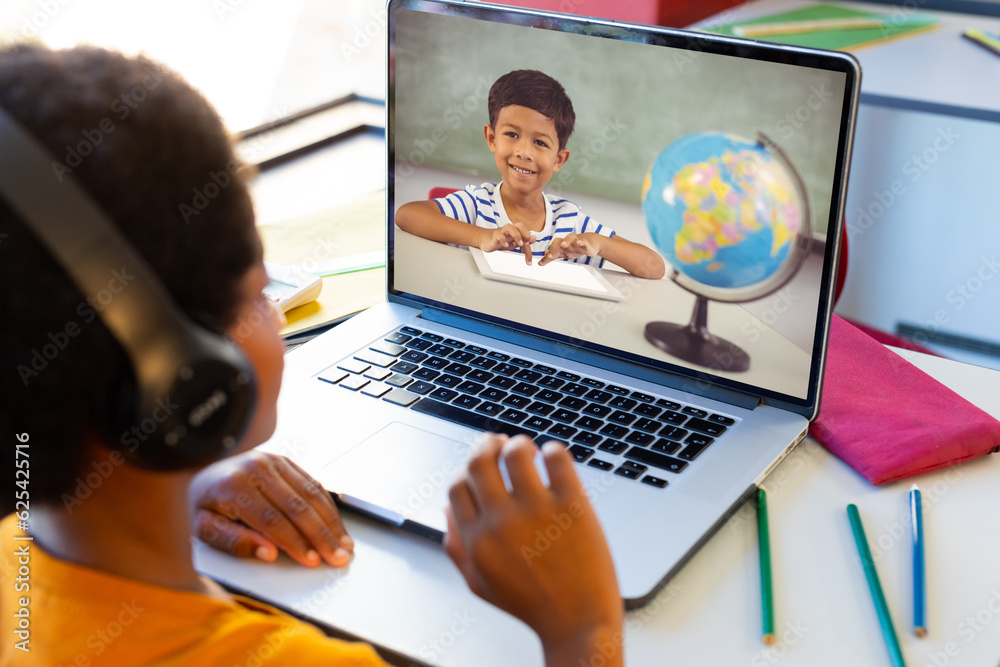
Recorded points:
(731,217)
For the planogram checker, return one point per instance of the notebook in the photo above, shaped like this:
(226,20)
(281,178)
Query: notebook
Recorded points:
(677,400)
(890,26)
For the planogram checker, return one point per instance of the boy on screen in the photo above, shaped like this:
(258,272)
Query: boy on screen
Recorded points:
(531,119)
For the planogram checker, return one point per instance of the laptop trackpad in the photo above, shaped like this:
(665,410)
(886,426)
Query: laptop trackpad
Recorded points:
(401,472)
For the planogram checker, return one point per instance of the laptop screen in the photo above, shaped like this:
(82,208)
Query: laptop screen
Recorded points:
(678,196)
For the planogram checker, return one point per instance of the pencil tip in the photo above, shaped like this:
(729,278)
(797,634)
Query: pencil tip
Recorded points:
(913,487)
(769,639)
(920,632)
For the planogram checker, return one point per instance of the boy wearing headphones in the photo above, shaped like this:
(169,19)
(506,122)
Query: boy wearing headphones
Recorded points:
(110,578)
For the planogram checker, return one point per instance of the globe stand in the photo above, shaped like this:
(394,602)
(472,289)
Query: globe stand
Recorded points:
(693,343)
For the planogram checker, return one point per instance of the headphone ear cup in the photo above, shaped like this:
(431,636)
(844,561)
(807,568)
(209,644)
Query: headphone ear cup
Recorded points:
(195,418)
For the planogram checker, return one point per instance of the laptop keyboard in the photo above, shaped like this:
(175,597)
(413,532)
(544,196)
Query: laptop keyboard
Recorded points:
(610,427)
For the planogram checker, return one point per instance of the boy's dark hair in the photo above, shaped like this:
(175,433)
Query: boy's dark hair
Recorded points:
(534,90)
(154,155)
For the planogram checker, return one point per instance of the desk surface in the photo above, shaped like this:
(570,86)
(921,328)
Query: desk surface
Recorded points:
(449,274)
(936,71)
(349,229)
(402,592)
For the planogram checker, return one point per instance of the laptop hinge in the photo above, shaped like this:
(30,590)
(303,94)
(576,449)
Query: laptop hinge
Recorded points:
(505,334)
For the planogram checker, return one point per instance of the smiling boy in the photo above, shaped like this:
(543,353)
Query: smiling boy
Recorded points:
(531,119)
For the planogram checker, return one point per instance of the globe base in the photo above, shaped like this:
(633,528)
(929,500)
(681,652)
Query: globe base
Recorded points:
(694,344)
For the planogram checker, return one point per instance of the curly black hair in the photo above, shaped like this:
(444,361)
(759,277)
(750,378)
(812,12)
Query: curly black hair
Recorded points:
(155,156)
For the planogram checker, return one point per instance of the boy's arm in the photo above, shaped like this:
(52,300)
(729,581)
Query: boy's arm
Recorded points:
(566,592)
(425,219)
(635,258)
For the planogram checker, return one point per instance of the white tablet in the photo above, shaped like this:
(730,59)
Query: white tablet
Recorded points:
(558,276)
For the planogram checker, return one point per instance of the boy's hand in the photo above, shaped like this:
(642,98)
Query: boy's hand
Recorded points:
(508,237)
(257,503)
(565,588)
(572,246)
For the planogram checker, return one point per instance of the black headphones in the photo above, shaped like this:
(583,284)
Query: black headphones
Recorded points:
(191,393)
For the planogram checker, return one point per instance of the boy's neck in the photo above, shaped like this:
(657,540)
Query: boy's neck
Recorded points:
(527,208)
(134,524)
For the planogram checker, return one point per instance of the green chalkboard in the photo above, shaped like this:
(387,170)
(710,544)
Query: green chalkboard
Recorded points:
(631,101)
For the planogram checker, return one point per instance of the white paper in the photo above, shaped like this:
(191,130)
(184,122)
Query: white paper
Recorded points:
(559,272)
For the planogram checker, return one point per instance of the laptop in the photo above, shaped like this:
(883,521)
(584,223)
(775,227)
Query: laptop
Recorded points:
(677,399)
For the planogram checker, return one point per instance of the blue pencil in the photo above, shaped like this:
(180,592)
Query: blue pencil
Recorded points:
(884,620)
(919,578)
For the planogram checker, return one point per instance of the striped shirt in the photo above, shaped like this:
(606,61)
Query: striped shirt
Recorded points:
(482,206)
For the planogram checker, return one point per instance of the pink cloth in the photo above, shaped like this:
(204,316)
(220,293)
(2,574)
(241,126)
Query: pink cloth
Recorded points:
(889,420)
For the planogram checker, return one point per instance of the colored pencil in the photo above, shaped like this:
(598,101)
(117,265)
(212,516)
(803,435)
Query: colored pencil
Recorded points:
(986,40)
(766,589)
(888,631)
(919,578)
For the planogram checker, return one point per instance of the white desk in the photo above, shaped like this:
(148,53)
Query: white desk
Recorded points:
(402,592)
(449,274)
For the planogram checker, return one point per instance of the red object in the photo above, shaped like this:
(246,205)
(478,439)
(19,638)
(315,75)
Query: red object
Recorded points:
(438,193)
(890,339)
(635,11)
(889,420)
(672,13)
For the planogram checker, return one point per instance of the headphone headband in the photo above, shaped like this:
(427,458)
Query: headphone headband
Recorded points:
(174,360)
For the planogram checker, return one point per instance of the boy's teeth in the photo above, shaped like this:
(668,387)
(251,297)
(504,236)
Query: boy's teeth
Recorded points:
(521,171)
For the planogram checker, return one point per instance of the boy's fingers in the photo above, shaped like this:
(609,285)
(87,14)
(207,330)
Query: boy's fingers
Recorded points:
(454,546)
(321,500)
(329,535)
(462,504)
(500,239)
(220,532)
(553,253)
(519,456)
(529,238)
(276,512)
(563,479)
(484,477)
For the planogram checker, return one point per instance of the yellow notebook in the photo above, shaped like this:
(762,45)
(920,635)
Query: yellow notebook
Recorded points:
(351,229)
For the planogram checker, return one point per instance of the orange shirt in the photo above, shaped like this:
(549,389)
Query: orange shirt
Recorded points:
(74,615)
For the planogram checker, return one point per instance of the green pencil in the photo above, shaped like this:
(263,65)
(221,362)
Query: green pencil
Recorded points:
(888,631)
(766,590)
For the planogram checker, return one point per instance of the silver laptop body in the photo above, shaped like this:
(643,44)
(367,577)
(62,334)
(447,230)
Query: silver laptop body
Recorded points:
(392,460)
